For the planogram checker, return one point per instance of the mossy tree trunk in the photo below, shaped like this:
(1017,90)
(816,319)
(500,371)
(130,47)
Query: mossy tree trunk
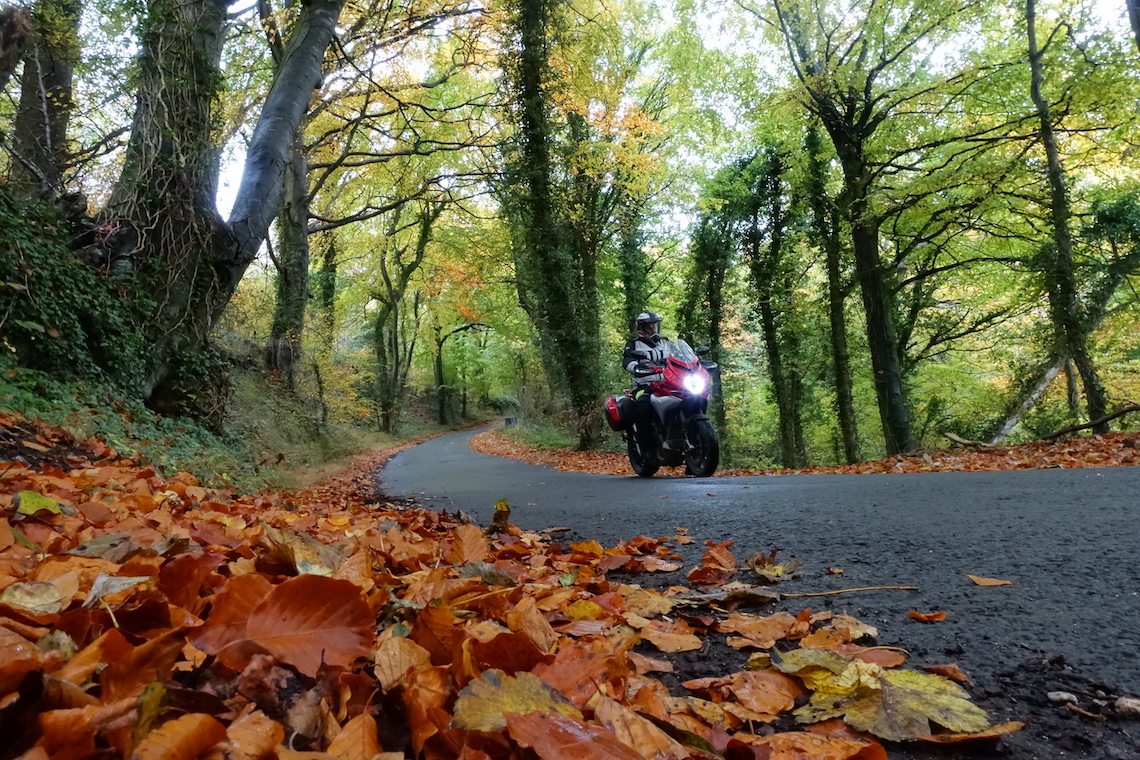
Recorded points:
(182,259)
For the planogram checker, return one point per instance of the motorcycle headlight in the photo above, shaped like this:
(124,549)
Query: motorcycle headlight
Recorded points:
(695,384)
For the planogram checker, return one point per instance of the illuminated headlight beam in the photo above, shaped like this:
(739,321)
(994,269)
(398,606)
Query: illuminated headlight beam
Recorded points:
(695,384)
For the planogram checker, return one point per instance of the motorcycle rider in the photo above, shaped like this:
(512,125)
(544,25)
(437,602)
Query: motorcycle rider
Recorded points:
(647,339)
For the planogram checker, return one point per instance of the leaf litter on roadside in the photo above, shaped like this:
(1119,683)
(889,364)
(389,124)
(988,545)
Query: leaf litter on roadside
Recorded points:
(147,616)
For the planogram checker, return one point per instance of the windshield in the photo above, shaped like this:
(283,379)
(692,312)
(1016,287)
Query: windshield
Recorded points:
(679,350)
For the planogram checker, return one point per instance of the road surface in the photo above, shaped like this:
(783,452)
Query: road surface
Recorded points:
(1068,539)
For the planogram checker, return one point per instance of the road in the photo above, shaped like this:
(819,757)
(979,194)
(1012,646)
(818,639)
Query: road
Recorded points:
(1068,539)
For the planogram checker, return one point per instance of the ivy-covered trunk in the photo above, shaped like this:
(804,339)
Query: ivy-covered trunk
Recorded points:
(39,139)
(169,243)
(283,349)
(827,238)
(1064,302)
(552,282)
(773,290)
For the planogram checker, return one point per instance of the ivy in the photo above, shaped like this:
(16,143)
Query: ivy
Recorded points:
(59,314)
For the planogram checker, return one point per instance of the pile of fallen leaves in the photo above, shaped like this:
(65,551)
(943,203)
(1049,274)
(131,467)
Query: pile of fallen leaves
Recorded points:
(1111,450)
(145,616)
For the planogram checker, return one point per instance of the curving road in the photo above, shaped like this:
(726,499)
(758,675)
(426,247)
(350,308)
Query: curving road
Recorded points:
(1069,539)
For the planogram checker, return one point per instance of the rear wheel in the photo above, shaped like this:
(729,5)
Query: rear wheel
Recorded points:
(703,452)
(641,458)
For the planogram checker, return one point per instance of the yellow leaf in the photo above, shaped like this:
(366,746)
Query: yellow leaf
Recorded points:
(482,704)
(31,502)
(897,705)
(584,610)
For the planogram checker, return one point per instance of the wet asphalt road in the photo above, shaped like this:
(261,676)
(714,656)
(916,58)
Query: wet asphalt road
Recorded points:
(1069,539)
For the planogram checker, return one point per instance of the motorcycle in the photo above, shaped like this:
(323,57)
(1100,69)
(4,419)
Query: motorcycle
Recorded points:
(679,430)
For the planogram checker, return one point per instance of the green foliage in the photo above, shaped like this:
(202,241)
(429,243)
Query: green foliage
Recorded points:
(59,314)
(541,434)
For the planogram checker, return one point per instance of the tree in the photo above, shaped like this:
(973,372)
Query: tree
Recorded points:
(826,237)
(556,216)
(39,139)
(162,210)
(1064,303)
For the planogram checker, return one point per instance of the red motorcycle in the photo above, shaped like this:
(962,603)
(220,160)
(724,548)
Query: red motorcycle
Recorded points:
(679,430)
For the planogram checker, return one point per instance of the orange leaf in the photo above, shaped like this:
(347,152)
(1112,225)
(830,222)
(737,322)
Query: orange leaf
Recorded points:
(251,737)
(357,740)
(311,620)
(836,728)
(990,733)
(149,662)
(232,609)
(988,581)
(793,745)
(183,738)
(951,671)
(926,617)
(470,545)
(765,692)
(561,737)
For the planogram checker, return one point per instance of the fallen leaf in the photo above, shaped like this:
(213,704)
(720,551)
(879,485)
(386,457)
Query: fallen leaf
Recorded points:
(311,620)
(183,738)
(989,581)
(897,705)
(993,732)
(951,671)
(926,617)
(485,702)
(554,736)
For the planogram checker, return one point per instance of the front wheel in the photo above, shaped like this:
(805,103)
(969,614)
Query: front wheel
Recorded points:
(703,452)
(642,459)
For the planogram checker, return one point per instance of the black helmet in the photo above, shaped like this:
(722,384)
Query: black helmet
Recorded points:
(647,322)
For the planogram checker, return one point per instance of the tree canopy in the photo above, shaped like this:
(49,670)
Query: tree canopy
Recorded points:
(889,219)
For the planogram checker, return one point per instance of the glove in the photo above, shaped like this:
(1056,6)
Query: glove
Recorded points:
(645,368)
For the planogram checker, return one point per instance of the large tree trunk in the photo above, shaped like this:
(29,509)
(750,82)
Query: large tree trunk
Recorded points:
(878,304)
(551,283)
(827,238)
(772,287)
(184,258)
(1064,301)
(283,350)
(15,28)
(39,137)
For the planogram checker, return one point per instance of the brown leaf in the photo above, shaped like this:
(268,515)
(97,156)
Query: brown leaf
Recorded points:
(149,662)
(224,631)
(635,731)
(560,737)
(525,618)
(395,656)
(309,620)
(765,692)
(990,733)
